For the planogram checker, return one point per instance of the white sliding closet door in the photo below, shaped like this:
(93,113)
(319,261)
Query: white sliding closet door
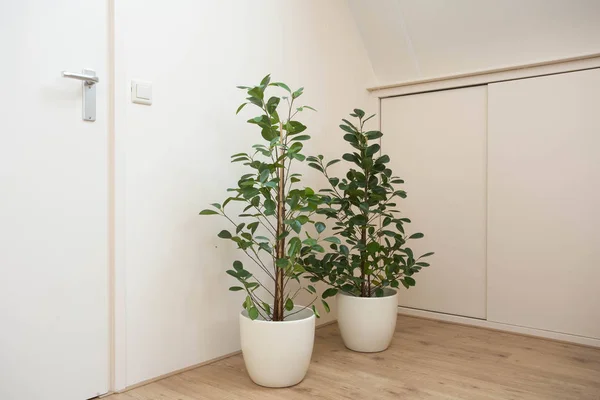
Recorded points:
(437,143)
(544,203)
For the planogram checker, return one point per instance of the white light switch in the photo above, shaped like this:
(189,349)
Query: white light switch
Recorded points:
(141,92)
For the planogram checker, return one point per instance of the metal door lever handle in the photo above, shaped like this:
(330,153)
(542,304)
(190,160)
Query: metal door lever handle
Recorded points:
(88,79)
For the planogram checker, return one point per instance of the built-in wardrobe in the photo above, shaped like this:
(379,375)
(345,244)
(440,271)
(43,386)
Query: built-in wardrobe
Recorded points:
(504,180)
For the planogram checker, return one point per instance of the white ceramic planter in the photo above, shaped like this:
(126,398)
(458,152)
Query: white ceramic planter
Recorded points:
(277,354)
(367,324)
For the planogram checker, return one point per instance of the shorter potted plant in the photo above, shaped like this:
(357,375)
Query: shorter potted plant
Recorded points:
(276,334)
(372,259)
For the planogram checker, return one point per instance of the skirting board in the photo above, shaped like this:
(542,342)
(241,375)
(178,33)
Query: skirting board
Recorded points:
(496,326)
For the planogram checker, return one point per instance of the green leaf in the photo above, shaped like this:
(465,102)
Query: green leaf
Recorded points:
(410,281)
(373,135)
(315,166)
(344,250)
(325,306)
(294,246)
(302,219)
(224,234)
(269,207)
(272,104)
(281,85)
(282,262)
(332,239)
(301,137)
(311,289)
(265,81)
(252,226)
(238,265)
(368,118)
(383,160)
(289,304)
(320,227)
(373,247)
(330,163)
(208,212)
(267,308)
(293,127)
(236,288)
(268,134)
(427,254)
(297,93)
(303,107)
(253,313)
(329,293)
(416,236)
(351,131)
(264,175)
(400,193)
(257,93)
(295,148)
(295,225)
(318,248)
(315,311)
(240,108)
(372,149)
(233,273)
(359,112)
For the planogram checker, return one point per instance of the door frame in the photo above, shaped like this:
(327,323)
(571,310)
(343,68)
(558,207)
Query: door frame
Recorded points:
(116,223)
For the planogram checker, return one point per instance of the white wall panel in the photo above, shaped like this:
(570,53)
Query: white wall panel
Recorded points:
(175,153)
(544,197)
(437,143)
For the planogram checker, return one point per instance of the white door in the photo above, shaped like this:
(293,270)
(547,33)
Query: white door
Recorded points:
(544,193)
(437,144)
(54,336)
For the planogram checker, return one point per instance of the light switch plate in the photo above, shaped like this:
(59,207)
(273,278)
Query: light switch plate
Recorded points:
(141,92)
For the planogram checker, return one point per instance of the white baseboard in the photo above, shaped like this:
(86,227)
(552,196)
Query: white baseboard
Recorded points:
(481,323)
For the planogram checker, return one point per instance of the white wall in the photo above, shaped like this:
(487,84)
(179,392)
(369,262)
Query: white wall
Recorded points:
(412,39)
(172,158)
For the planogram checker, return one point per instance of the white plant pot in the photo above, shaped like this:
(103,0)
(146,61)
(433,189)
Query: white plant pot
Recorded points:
(277,354)
(367,324)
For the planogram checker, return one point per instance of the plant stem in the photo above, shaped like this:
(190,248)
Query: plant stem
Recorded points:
(365,287)
(363,240)
(280,245)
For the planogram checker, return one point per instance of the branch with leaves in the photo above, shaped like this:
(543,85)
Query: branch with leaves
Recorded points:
(277,222)
(372,253)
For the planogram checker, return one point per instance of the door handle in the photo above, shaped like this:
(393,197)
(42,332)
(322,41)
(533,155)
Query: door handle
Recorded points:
(89,79)
(88,86)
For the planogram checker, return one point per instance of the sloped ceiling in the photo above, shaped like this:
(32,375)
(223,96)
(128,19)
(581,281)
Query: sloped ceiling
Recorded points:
(415,39)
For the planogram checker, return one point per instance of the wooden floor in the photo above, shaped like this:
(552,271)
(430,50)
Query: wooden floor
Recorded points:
(427,360)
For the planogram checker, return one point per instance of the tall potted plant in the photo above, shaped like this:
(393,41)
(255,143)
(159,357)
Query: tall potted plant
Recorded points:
(373,259)
(276,334)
